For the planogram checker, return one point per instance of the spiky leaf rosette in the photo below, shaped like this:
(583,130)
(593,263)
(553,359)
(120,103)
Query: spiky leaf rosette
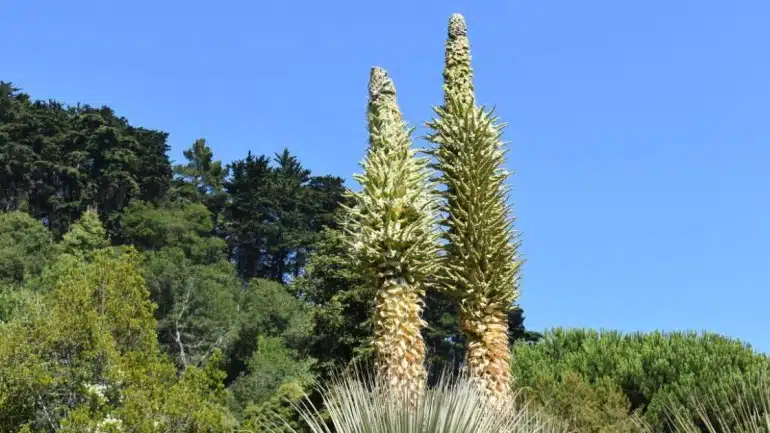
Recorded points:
(390,226)
(356,404)
(480,266)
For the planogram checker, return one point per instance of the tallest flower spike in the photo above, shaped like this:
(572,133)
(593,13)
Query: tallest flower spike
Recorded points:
(458,74)
(480,264)
(390,226)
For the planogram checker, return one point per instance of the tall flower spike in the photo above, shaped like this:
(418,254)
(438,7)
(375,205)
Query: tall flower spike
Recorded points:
(480,266)
(458,74)
(390,227)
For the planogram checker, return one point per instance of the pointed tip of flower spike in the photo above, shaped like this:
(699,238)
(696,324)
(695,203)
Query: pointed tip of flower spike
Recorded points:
(380,83)
(457,26)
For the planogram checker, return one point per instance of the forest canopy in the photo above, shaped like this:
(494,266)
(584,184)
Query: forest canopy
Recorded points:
(238,266)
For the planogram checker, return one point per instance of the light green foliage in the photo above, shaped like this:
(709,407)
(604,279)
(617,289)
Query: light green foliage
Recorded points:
(279,413)
(15,300)
(738,406)
(271,366)
(390,224)
(84,237)
(193,403)
(94,331)
(25,247)
(197,402)
(87,357)
(197,304)
(480,266)
(653,370)
(356,405)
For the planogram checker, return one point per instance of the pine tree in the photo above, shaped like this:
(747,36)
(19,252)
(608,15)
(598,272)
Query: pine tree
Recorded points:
(390,227)
(202,179)
(480,264)
(84,237)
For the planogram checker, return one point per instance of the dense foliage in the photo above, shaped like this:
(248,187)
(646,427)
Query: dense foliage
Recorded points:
(599,377)
(57,161)
(239,269)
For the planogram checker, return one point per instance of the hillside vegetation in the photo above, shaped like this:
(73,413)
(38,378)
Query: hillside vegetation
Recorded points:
(137,295)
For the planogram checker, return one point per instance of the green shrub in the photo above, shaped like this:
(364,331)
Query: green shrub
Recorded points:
(739,406)
(25,246)
(652,369)
(599,407)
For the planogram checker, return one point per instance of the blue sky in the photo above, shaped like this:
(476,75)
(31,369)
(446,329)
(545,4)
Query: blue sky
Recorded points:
(639,130)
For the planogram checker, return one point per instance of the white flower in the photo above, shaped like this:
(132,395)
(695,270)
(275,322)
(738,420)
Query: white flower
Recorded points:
(96,390)
(109,424)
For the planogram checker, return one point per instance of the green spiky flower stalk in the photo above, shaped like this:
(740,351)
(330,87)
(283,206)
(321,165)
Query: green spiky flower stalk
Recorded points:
(480,266)
(390,226)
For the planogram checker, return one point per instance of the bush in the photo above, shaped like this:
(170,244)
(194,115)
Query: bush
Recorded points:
(740,406)
(25,246)
(651,369)
(599,407)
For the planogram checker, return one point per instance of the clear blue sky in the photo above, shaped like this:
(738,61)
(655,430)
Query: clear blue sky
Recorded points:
(639,130)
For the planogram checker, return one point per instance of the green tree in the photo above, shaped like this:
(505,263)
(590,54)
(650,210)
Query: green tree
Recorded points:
(281,406)
(588,407)
(271,366)
(16,157)
(84,237)
(185,265)
(59,161)
(268,310)
(87,357)
(480,263)
(275,213)
(25,247)
(187,226)
(197,305)
(202,179)
(79,341)
(390,228)
(654,370)
(343,305)
(197,402)
(248,213)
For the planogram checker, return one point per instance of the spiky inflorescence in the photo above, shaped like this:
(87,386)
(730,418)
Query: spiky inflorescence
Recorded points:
(458,74)
(390,226)
(480,266)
